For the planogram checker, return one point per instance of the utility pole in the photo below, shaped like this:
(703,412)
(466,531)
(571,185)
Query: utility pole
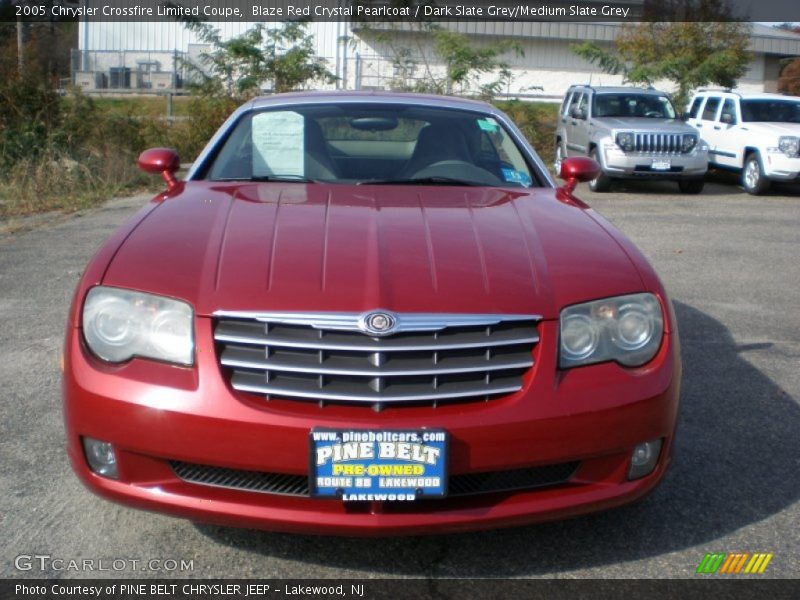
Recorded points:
(20,46)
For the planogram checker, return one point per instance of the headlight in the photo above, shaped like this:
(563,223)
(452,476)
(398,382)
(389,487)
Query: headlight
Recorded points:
(790,146)
(625,329)
(625,140)
(120,324)
(689,142)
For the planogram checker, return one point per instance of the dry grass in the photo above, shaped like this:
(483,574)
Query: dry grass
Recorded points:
(56,182)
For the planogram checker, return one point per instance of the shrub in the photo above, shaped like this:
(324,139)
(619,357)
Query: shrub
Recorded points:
(537,120)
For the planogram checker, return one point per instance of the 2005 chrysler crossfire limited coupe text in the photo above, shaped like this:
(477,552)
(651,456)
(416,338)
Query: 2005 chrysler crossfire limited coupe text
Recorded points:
(367,313)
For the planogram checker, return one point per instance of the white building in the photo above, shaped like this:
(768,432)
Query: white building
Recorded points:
(143,56)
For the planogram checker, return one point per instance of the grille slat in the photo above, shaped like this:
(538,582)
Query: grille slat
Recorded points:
(346,391)
(285,484)
(254,358)
(242,332)
(450,357)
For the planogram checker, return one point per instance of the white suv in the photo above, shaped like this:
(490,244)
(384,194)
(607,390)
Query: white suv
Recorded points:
(758,134)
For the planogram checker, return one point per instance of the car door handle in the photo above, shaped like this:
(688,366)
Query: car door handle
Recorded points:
(717,127)
(563,120)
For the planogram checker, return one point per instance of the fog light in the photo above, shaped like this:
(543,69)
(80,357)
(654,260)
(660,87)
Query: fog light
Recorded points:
(101,457)
(644,459)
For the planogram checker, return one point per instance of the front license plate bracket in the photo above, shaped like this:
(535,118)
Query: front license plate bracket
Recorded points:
(661,164)
(378,465)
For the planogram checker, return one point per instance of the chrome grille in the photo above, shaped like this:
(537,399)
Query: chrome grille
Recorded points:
(658,143)
(327,358)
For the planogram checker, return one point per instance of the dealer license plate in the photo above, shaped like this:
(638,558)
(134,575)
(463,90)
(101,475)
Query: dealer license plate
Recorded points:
(370,465)
(661,165)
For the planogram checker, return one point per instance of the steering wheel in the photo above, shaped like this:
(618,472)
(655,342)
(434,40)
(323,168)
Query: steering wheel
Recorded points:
(458,169)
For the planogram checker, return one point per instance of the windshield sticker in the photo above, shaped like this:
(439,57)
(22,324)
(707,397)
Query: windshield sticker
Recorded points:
(278,144)
(489,125)
(517,177)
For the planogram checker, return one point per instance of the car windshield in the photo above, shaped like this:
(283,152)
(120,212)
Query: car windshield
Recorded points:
(771,111)
(370,143)
(633,105)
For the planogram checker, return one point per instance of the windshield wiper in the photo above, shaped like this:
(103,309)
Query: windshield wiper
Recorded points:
(272,178)
(422,181)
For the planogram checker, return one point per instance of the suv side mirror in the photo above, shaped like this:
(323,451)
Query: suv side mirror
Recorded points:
(576,113)
(726,118)
(163,161)
(576,169)
(685,116)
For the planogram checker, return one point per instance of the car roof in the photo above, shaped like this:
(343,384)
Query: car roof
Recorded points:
(766,96)
(372,96)
(619,89)
(745,96)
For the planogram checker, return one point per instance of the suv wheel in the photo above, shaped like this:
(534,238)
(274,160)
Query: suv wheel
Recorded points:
(753,179)
(601,183)
(691,186)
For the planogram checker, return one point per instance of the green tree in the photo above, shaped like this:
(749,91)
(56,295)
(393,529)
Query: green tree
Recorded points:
(448,61)
(690,54)
(465,62)
(237,68)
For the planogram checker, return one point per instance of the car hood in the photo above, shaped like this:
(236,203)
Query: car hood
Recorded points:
(271,246)
(644,124)
(777,129)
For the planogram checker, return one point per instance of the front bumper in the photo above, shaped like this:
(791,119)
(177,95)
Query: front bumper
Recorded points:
(154,413)
(630,165)
(779,167)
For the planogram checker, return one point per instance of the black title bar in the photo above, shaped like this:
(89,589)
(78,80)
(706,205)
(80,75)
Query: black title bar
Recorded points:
(409,11)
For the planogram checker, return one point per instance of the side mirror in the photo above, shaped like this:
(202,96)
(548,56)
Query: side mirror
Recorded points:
(726,118)
(576,113)
(685,116)
(163,161)
(577,169)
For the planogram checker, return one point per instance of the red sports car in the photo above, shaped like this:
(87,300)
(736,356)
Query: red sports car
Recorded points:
(369,314)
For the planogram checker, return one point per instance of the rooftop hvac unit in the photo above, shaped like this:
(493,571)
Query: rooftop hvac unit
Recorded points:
(119,78)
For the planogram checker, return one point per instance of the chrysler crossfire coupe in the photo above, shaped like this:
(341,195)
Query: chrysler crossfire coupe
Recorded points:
(369,314)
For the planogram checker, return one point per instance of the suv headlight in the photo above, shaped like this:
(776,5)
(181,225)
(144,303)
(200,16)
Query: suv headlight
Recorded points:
(625,140)
(789,145)
(689,142)
(625,329)
(120,324)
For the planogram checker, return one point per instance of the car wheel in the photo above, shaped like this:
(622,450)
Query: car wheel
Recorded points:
(753,179)
(691,186)
(560,156)
(601,183)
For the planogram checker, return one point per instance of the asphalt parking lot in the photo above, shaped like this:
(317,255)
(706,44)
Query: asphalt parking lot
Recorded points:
(732,265)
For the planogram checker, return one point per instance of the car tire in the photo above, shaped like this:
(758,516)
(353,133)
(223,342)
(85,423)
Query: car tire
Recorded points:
(753,179)
(601,183)
(691,186)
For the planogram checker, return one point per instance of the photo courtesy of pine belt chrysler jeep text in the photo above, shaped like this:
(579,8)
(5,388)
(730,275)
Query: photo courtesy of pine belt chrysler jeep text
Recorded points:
(369,314)
(633,133)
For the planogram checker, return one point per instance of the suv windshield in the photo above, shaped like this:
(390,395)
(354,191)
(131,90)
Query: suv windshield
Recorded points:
(771,111)
(370,143)
(633,105)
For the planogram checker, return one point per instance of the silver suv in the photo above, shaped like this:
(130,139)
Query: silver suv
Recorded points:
(632,133)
